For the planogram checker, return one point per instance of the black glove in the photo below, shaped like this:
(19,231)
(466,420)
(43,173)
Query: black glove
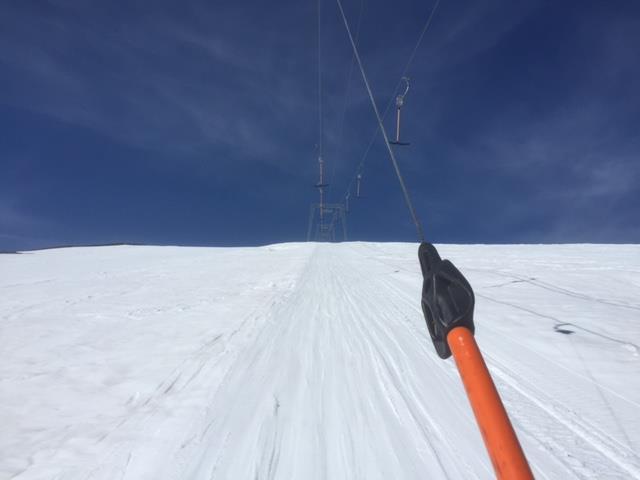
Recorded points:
(447,298)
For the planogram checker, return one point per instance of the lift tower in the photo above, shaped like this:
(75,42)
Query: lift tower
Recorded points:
(332,228)
(331,216)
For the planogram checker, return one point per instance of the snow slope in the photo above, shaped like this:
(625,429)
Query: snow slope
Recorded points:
(305,361)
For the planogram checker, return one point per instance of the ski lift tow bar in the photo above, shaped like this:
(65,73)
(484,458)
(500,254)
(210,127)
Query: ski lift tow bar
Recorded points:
(399,104)
(447,304)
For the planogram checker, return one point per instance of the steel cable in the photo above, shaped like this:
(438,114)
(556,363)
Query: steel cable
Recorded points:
(392,157)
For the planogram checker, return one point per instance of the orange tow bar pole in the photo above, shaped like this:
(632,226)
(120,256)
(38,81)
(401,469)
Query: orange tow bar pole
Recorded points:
(499,437)
(447,304)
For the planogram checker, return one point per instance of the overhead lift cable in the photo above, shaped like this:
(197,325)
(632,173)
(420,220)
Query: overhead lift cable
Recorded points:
(405,192)
(320,122)
(330,214)
(405,70)
(345,104)
(321,183)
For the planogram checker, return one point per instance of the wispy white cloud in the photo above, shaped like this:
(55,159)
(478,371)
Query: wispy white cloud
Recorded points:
(163,83)
(18,226)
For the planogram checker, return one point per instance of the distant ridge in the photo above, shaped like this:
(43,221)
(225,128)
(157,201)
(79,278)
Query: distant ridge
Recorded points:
(54,247)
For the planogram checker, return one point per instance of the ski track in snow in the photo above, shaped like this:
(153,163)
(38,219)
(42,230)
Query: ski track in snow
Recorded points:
(310,361)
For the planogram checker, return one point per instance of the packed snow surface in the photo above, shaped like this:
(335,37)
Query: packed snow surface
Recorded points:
(310,361)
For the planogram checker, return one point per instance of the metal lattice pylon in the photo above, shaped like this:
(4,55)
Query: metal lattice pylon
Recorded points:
(334,220)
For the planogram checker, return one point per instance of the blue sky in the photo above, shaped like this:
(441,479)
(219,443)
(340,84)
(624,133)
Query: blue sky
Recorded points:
(196,122)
